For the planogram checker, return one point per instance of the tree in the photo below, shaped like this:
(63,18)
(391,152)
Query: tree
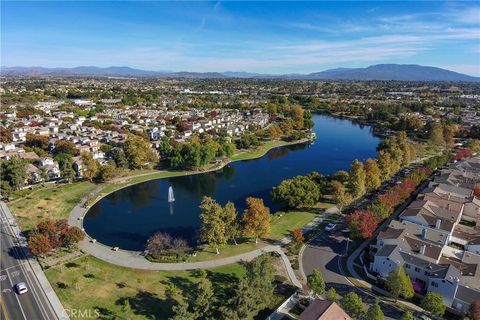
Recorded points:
(474,145)
(13,172)
(296,192)
(373,175)
(385,163)
(357,179)
(213,227)
(106,173)
(316,282)
(36,140)
(475,309)
(161,243)
(180,311)
(362,224)
(203,300)
(119,157)
(297,236)
(139,152)
(332,295)
(65,164)
(435,135)
(407,315)
(39,244)
(232,224)
(66,146)
(341,176)
(71,235)
(340,195)
(90,165)
(274,132)
(256,219)
(352,304)
(375,312)
(434,303)
(228,149)
(5,135)
(297,117)
(260,276)
(402,142)
(399,284)
(242,303)
(381,210)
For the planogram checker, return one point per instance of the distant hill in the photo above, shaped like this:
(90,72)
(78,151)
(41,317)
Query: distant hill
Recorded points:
(405,72)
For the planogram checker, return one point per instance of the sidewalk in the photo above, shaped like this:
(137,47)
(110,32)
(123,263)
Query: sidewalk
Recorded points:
(55,304)
(135,259)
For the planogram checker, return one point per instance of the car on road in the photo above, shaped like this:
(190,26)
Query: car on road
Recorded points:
(330,226)
(21,288)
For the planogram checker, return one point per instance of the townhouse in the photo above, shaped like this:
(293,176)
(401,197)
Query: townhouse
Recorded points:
(436,239)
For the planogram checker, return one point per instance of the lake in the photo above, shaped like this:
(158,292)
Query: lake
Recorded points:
(127,217)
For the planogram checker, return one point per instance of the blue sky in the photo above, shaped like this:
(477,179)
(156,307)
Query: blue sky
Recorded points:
(268,37)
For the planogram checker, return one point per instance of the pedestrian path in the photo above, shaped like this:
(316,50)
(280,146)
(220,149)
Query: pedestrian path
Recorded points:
(137,260)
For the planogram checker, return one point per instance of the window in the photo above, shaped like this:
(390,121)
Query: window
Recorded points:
(434,284)
(417,269)
(407,266)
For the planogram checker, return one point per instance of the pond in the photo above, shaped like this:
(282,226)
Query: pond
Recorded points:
(127,217)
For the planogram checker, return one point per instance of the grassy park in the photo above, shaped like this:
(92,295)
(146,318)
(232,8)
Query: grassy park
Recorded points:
(88,283)
(259,151)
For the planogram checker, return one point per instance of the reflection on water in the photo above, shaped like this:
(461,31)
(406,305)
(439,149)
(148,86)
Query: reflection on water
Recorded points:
(129,216)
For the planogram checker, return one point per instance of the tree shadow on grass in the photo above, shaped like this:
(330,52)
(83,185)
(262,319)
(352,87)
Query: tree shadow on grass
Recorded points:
(149,305)
(222,284)
(104,313)
(184,284)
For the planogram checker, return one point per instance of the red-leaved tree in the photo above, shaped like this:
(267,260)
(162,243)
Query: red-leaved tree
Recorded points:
(462,154)
(39,244)
(476,191)
(362,224)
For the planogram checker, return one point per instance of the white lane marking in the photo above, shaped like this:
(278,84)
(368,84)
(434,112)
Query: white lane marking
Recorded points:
(15,266)
(19,304)
(22,254)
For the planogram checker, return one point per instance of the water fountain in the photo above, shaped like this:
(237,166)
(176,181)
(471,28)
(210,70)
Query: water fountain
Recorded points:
(171,198)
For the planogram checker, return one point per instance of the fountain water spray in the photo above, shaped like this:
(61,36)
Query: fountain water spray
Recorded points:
(171,197)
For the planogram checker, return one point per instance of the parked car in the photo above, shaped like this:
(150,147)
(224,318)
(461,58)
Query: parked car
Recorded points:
(330,226)
(21,288)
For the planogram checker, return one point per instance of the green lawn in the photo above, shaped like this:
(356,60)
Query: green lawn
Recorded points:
(54,202)
(88,283)
(282,225)
(258,152)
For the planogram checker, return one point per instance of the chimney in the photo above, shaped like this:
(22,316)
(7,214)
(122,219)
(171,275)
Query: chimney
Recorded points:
(422,249)
(438,222)
(424,233)
(448,206)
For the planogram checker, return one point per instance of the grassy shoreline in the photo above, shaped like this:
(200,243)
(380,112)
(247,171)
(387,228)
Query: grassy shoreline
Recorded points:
(57,201)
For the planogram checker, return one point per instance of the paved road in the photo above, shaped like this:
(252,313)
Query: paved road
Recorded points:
(14,268)
(323,253)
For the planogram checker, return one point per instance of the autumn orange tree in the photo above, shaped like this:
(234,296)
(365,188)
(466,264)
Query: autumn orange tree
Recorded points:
(362,224)
(256,218)
(297,235)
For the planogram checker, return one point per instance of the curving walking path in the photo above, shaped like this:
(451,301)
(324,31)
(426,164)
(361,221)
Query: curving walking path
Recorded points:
(136,259)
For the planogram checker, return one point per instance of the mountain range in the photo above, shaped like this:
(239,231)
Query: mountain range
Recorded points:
(403,72)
